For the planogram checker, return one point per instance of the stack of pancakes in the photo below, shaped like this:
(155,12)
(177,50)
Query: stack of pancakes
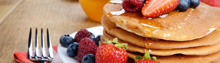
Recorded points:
(178,37)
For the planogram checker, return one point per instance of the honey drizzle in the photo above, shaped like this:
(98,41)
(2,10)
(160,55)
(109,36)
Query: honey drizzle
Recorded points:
(148,42)
(112,24)
(149,25)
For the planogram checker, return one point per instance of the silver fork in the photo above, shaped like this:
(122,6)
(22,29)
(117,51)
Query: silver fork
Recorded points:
(42,55)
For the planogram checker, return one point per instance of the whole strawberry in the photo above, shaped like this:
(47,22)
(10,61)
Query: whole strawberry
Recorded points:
(82,33)
(146,59)
(108,52)
(86,46)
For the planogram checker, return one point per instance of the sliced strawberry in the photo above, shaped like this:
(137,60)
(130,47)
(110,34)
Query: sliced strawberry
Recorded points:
(155,8)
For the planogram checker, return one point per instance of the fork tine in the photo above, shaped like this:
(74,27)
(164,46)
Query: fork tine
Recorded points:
(29,49)
(43,54)
(37,51)
(43,44)
(49,45)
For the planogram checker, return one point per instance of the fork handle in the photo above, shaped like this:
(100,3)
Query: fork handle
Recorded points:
(40,61)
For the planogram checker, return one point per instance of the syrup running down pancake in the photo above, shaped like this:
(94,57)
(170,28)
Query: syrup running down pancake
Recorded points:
(175,26)
(203,50)
(111,29)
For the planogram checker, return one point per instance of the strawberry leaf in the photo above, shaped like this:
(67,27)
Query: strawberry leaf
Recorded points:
(147,55)
(107,41)
(123,45)
(154,58)
(138,58)
(158,61)
(115,40)
(117,44)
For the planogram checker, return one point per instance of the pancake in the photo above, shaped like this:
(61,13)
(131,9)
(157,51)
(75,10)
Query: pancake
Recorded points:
(203,50)
(176,26)
(111,29)
(212,58)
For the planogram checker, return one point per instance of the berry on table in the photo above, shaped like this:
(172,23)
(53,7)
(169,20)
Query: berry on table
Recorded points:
(81,34)
(89,58)
(86,46)
(183,5)
(66,40)
(132,5)
(72,49)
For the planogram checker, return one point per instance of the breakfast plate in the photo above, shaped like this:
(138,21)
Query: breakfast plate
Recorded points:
(62,50)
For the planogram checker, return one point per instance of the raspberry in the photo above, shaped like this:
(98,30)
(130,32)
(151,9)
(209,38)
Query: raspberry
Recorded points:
(86,46)
(138,2)
(132,5)
(82,34)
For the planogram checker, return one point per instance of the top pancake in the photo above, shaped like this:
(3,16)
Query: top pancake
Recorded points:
(177,26)
(111,29)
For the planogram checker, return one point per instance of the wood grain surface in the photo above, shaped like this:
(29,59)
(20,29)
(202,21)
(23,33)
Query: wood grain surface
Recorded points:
(7,6)
(60,16)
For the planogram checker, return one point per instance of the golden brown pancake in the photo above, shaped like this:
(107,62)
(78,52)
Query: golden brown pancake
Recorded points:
(111,29)
(203,50)
(177,26)
(212,58)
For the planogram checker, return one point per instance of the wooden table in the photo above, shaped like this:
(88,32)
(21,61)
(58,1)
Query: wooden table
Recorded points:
(60,16)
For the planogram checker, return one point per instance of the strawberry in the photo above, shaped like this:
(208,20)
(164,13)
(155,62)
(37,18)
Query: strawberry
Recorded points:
(146,59)
(108,52)
(155,8)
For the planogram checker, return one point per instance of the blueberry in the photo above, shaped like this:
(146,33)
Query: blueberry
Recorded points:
(183,5)
(66,40)
(195,3)
(94,39)
(92,35)
(98,39)
(72,49)
(89,58)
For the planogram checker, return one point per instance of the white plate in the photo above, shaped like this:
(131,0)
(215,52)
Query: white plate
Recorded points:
(62,51)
